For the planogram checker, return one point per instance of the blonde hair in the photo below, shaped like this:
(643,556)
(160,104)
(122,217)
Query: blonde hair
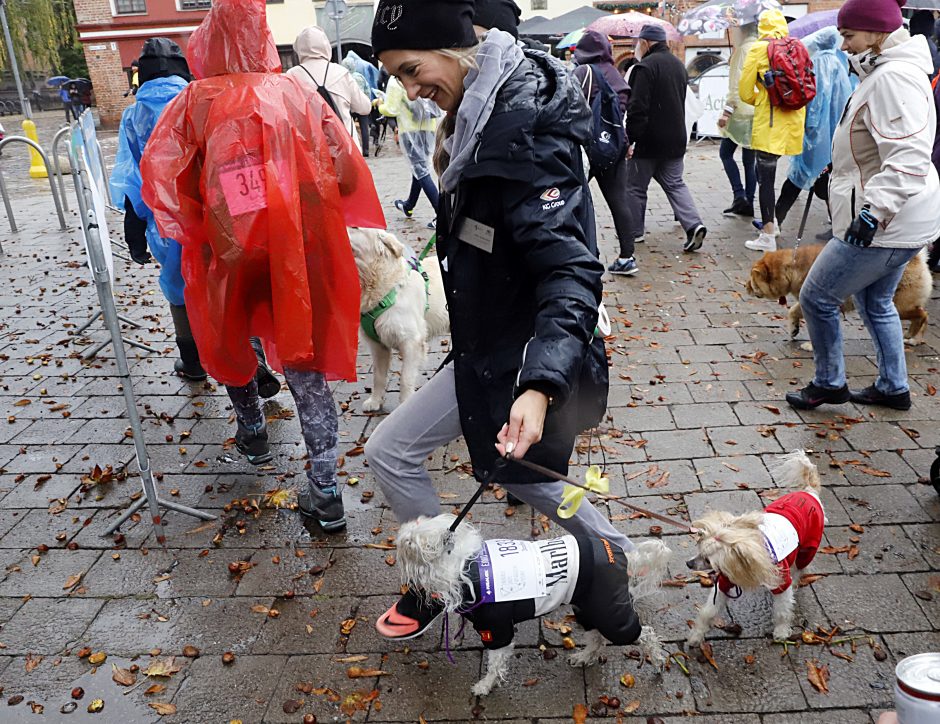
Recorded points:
(467,59)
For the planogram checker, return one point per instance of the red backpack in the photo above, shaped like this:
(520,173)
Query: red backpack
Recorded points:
(790,82)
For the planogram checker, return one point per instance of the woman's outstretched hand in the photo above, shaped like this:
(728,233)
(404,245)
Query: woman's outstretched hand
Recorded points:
(526,420)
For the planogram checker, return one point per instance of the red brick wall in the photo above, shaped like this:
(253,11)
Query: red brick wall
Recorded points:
(109,80)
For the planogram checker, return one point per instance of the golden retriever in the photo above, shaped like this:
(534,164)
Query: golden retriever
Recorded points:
(419,311)
(779,273)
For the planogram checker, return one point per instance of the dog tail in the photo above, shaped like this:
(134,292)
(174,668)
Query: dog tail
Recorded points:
(796,470)
(647,566)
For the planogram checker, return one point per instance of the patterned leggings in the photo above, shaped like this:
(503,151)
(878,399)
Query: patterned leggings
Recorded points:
(318,420)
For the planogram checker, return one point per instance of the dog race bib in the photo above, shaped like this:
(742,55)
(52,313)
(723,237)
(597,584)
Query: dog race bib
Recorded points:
(781,536)
(513,570)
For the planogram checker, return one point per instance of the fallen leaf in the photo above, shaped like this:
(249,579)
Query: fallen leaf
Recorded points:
(163,709)
(709,654)
(32,661)
(580,714)
(124,677)
(818,676)
(163,667)
(357,672)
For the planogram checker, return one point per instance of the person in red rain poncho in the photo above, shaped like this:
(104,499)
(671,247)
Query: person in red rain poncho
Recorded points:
(258,179)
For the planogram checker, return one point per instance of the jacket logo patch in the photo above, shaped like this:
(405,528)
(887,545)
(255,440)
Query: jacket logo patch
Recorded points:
(553,199)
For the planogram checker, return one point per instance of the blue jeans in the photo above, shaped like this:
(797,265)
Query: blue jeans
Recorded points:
(749,160)
(871,275)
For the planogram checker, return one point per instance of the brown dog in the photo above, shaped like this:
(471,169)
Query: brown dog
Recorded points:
(779,273)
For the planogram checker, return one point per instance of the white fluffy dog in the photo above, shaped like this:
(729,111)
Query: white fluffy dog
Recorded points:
(419,311)
(497,583)
(760,549)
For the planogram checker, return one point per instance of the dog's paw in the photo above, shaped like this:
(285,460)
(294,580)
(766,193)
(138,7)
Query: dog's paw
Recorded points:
(481,688)
(372,405)
(782,632)
(583,658)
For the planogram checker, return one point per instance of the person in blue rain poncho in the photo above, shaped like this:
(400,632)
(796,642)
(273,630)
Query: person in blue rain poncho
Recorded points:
(834,85)
(163,74)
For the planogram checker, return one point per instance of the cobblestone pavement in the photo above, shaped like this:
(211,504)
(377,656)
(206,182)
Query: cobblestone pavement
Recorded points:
(696,420)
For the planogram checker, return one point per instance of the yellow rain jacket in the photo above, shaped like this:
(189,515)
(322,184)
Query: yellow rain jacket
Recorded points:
(785,137)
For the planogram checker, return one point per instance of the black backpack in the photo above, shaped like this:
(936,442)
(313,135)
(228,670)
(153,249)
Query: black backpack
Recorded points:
(321,88)
(608,144)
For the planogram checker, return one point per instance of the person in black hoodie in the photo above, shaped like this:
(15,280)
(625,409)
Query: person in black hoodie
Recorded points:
(593,54)
(657,133)
(518,254)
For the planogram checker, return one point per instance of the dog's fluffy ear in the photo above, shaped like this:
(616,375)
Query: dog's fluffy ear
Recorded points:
(761,269)
(391,242)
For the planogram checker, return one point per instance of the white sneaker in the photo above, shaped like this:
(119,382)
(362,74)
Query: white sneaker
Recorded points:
(764,242)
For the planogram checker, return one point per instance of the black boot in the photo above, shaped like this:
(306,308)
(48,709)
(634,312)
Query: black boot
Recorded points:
(188,366)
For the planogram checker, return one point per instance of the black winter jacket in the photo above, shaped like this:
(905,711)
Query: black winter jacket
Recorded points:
(656,115)
(523,313)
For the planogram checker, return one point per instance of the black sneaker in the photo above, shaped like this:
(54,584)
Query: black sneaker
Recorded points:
(873,396)
(253,445)
(694,238)
(193,373)
(324,506)
(740,207)
(625,267)
(410,617)
(811,397)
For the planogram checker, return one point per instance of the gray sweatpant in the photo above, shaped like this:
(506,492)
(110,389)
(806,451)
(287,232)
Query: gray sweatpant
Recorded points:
(668,174)
(398,448)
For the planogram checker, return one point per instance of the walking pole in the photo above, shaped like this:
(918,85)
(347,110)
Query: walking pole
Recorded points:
(809,202)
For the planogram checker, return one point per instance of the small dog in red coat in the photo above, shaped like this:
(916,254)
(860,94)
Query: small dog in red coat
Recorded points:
(763,549)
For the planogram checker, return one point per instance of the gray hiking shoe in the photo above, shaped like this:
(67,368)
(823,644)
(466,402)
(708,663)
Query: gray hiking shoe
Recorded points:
(324,505)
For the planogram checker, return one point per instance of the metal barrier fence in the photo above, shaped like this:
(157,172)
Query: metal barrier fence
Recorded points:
(49,171)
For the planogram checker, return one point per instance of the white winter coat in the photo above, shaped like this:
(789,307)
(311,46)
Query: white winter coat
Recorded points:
(313,51)
(881,148)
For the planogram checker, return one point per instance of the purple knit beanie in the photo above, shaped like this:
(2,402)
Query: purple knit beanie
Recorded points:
(877,16)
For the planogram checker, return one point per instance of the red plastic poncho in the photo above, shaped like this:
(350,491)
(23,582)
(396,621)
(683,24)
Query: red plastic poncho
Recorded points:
(258,180)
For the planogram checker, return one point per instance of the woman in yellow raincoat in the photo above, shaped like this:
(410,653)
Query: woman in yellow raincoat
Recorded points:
(776,132)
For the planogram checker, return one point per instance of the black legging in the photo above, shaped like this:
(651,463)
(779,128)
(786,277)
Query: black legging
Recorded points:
(613,184)
(789,193)
(766,179)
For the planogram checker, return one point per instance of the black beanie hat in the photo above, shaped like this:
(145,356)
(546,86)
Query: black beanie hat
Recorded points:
(499,14)
(423,25)
(161,58)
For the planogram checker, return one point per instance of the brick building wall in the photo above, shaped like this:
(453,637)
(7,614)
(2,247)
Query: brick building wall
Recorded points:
(111,41)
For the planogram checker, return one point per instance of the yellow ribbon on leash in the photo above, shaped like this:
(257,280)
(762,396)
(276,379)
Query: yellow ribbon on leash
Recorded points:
(571,496)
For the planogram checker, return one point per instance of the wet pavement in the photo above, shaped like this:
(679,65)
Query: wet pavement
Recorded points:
(696,421)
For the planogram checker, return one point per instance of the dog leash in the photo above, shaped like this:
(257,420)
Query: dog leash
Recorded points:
(500,464)
(570,481)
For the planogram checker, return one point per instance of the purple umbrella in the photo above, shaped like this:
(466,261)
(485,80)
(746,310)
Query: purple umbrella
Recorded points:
(810,23)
